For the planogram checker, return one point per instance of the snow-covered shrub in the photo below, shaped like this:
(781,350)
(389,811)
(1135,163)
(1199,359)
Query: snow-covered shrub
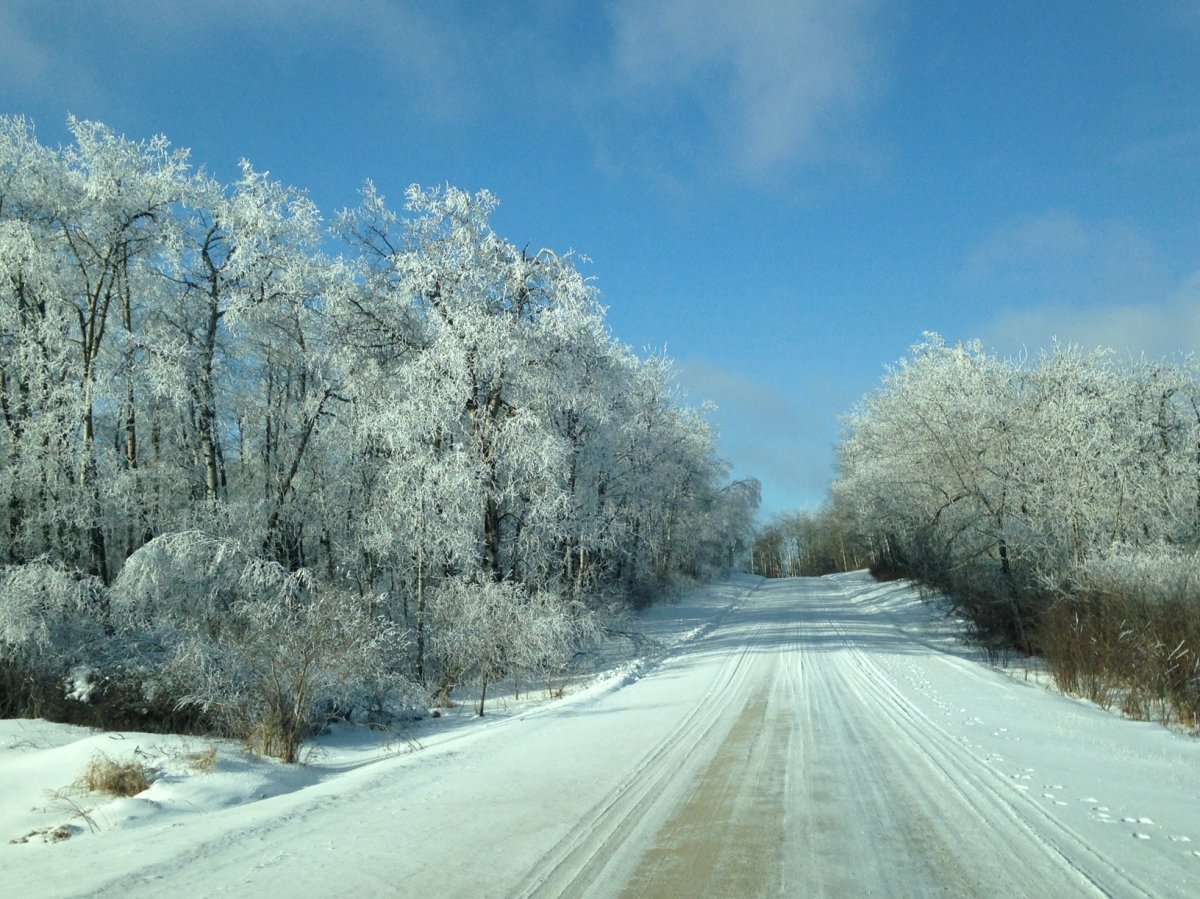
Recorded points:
(288,652)
(262,651)
(1006,483)
(187,579)
(1159,573)
(484,630)
(51,624)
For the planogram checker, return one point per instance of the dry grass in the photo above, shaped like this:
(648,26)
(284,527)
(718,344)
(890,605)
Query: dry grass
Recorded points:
(1127,652)
(203,761)
(65,801)
(105,774)
(278,735)
(48,835)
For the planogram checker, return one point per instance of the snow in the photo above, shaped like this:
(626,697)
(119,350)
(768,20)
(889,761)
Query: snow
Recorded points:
(834,731)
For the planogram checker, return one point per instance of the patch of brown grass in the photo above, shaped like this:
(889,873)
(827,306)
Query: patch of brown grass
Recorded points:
(203,761)
(48,835)
(1127,652)
(105,774)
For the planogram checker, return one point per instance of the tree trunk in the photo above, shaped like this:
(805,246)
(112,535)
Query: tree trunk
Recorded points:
(491,538)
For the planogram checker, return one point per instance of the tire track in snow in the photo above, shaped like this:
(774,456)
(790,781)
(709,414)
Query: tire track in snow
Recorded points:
(729,837)
(826,780)
(579,860)
(980,786)
(741,857)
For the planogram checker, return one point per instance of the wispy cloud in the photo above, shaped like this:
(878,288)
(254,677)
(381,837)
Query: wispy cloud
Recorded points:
(412,52)
(771,82)
(776,437)
(1060,258)
(1166,328)
(1059,276)
(23,61)
(673,88)
(32,66)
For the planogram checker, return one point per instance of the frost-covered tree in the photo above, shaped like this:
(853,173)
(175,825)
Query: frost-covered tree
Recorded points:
(38,395)
(498,432)
(108,214)
(191,390)
(238,259)
(76,230)
(999,479)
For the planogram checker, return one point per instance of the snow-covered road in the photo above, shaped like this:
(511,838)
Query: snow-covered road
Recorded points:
(815,738)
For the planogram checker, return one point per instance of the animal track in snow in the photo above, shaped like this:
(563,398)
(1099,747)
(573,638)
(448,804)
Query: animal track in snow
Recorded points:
(1100,813)
(1051,796)
(1137,834)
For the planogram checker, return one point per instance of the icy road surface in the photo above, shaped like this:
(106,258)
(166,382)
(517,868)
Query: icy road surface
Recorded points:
(813,738)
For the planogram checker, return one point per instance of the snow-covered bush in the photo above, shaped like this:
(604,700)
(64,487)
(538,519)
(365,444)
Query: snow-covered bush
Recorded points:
(484,630)
(1009,483)
(51,626)
(1159,573)
(182,580)
(263,651)
(553,631)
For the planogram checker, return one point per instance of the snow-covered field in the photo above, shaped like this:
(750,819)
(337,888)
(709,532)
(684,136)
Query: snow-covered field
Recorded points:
(799,737)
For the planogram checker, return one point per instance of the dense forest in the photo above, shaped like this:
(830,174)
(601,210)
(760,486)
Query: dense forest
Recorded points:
(254,469)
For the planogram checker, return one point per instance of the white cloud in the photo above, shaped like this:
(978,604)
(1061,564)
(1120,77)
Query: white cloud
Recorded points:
(1164,328)
(1058,276)
(33,67)
(774,81)
(412,52)
(669,88)
(1059,258)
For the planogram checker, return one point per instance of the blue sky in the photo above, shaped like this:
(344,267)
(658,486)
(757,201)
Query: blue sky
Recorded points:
(784,195)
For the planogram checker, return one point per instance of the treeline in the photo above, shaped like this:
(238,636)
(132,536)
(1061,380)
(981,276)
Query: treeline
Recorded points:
(1055,500)
(809,544)
(210,427)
